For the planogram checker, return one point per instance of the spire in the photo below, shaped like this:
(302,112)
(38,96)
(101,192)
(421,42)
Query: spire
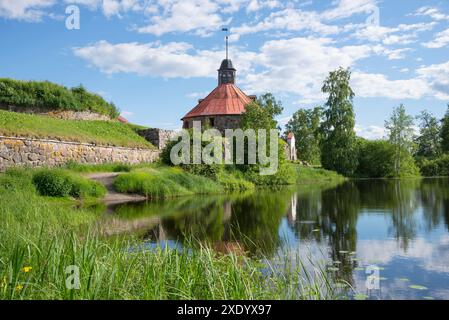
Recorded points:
(226,73)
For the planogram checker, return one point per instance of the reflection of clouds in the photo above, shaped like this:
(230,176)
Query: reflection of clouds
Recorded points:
(434,256)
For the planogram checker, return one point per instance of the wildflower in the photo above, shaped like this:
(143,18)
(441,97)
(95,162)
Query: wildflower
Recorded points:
(19,287)
(27,269)
(3,283)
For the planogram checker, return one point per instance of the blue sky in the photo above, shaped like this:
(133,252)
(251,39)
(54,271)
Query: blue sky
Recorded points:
(156,58)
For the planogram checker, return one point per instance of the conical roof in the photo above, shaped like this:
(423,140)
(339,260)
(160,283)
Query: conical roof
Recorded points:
(226,99)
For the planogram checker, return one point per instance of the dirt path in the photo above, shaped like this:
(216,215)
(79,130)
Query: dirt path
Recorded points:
(112,196)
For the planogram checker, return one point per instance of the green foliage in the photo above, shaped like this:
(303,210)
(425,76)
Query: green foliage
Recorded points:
(234,181)
(305,124)
(261,113)
(400,134)
(429,139)
(98,132)
(49,96)
(435,167)
(104,167)
(312,174)
(60,183)
(445,132)
(206,170)
(376,159)
(256,117)
(338,143)
(164,183)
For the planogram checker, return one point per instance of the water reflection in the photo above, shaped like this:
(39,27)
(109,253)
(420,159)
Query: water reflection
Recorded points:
(399,225)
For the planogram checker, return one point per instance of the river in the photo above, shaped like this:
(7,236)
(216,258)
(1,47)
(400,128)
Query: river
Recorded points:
(396,230)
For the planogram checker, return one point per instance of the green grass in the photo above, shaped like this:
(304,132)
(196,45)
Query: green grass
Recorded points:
(42,236)
(62,183)
(313,174)
(164,182)
(98,132)
(47,96)
(104,167)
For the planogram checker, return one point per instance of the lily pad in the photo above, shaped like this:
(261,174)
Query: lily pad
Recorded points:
(428,298)
(417,287)
(316,230)
(404,279)
(360,296)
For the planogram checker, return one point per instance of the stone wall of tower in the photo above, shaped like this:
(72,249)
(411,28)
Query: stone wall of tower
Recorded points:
(220,123)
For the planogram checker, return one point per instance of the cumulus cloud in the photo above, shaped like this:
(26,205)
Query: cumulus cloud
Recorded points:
(170,60)
(440,40)
(371,132)
(27,10)
(437,76)
(295,66)
(432,12)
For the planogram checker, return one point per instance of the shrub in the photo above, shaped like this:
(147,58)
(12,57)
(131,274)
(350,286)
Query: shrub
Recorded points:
(436,167)
(52,183)
(59,183)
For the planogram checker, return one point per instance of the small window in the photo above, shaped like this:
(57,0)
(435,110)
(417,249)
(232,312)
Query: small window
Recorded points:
(212,122)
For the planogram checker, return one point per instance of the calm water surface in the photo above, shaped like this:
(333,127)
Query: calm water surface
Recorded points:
(402,227)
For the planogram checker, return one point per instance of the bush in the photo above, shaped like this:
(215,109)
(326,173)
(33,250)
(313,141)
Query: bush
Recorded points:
(436,167)
(377,159)
(59,183)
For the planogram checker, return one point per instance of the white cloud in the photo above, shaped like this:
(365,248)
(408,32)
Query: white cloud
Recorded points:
(437,76)
(201,16)
(299,65)
(347,8)
(27,10)
(378,85)
(295,66)
(440,40)
(371,132)
(399,35)
(432,12)
(290,20)
(170,60)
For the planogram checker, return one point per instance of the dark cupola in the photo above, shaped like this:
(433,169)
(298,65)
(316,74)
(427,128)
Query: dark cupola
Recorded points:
(226,73)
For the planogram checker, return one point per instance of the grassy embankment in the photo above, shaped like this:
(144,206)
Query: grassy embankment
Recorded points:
(42,236)
(97,132)
(306,175)
(47,96)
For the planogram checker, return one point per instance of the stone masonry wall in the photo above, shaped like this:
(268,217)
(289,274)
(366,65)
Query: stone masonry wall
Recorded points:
(39,152)
(220,123)
(158,137)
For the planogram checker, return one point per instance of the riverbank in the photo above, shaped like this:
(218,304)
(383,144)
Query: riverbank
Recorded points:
(42,236)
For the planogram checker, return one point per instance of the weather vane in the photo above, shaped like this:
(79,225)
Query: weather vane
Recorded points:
(226,29)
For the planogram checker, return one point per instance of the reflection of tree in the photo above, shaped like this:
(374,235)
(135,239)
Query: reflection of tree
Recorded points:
(435,200)
(399,199)
(255,221)
(204,224)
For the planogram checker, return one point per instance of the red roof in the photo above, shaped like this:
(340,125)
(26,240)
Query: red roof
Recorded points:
(227,99)
(122,119)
